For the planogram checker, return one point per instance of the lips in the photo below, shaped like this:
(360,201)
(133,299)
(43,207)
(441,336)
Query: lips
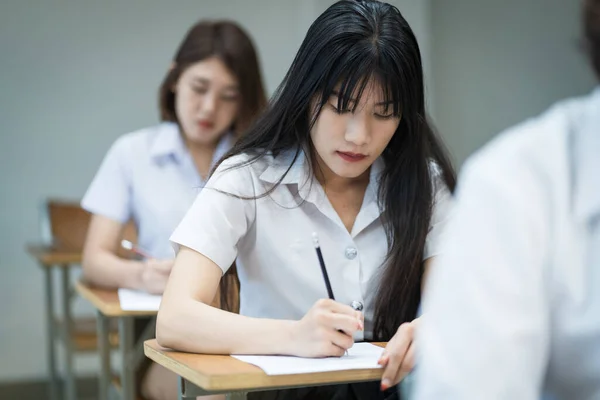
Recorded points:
(205,124)
(351,157)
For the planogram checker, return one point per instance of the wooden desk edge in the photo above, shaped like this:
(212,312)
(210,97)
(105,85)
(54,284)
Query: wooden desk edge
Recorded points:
(174,366)
(49,257)
(263,381)
(108,309)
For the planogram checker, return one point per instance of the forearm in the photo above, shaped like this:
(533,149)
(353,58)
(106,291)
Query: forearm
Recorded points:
(105,269)
(195,327)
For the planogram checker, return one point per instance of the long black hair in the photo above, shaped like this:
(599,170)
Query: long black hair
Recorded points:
(351,44)
(591,32)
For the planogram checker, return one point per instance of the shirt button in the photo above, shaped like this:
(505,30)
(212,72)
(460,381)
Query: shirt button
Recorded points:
(357,305)
(351,253)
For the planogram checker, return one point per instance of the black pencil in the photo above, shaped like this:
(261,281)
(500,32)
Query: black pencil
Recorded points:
(322,263)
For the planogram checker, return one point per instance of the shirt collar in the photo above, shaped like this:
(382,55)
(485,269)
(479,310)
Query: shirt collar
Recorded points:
(586,159)
(310,190)
(169,144)
(299,172)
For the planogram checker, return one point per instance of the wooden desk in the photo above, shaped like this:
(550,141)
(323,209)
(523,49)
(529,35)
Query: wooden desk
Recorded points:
(76,334)
(209,374)
(131,353)
(107,302)
(50,257)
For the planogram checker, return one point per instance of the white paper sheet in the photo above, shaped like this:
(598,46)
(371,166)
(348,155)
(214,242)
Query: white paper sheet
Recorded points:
(360,356)
(134,300)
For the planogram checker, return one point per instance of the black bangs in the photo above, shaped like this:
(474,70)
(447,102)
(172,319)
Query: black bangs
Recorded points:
(351,73)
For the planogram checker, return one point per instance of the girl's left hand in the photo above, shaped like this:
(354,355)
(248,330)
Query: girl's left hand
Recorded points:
(398,358)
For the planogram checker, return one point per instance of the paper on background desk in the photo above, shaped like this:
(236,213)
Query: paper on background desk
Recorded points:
(134,300)
(360,356)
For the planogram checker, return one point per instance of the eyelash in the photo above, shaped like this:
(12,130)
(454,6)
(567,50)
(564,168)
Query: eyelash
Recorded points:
(386,117)
(378,116)
(337,110)
(201,90)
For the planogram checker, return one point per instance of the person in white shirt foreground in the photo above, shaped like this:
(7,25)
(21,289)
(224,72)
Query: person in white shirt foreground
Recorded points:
(344,150)
(512,306)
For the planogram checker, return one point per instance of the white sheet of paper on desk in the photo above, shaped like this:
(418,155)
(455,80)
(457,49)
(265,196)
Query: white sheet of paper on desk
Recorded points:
(360,356)
(134,300)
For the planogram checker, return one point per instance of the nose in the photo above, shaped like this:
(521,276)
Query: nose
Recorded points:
(358,131)
(208,104)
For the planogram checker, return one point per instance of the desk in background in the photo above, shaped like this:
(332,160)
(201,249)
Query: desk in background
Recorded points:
(106,303)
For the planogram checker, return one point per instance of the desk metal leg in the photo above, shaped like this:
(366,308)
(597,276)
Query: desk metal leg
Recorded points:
(127,352)
(51,333)
(70,388)
(104,350)
(180,388)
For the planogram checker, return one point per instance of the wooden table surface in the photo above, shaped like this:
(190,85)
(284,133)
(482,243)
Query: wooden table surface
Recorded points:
(227,374)
(107,301)
(52,256)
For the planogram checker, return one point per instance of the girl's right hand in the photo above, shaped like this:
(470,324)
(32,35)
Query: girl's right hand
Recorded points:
(326,330)
(155,274)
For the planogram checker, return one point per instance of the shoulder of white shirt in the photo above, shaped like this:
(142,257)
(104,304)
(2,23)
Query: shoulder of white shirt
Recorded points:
(144,138)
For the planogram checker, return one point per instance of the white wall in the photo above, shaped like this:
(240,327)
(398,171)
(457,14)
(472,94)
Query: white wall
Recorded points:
(499,62)
(75,75)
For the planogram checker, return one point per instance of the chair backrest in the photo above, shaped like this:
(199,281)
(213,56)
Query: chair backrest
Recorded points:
(64,225)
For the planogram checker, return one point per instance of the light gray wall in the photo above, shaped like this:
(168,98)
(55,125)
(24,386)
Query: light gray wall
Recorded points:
(74,75)
(499,62)
(418,15)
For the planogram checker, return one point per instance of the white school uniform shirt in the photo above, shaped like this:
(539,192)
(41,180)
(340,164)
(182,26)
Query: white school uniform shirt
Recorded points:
(150,177)
(512,308)
(271,237)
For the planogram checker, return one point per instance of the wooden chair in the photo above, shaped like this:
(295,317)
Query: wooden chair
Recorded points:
(64,226)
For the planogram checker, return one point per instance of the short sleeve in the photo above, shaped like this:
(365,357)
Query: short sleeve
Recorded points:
(442,210)
(221,215)
(109,194)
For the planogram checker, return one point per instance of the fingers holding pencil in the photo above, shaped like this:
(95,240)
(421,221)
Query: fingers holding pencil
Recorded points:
(128,245)
(155,273)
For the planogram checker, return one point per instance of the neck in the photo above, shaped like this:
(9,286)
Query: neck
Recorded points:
(332,182)
(201,150)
